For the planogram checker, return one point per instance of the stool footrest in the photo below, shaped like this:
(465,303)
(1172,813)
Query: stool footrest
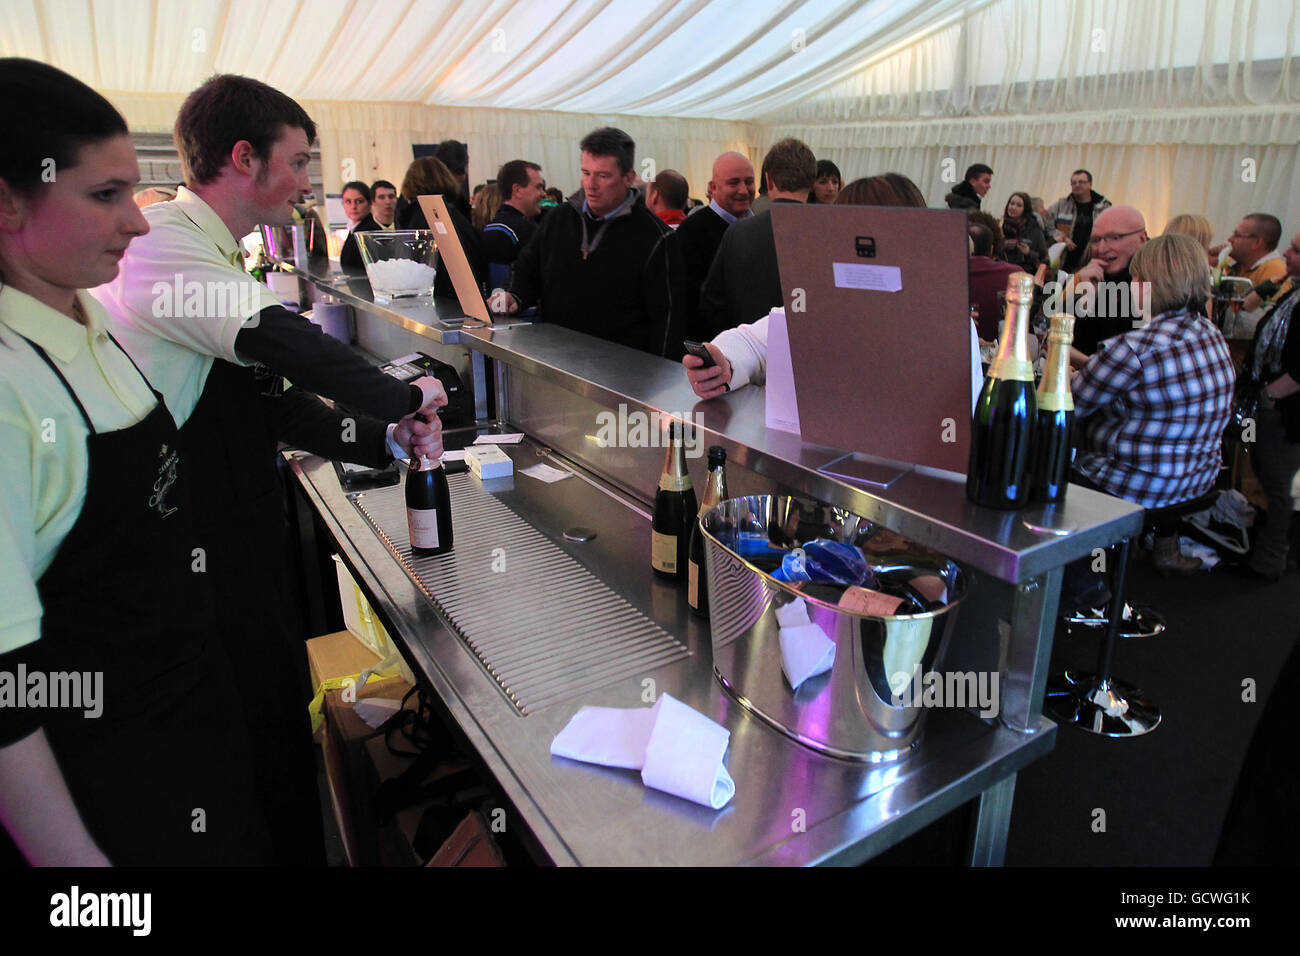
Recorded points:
(1100,705)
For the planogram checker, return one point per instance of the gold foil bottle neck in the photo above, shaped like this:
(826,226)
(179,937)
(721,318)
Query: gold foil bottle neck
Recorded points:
(1020,287)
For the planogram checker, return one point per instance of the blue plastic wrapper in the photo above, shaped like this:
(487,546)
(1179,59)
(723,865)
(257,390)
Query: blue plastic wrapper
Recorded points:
(824,562)
(751,544)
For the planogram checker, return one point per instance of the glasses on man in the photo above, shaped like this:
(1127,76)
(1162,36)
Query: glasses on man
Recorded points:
(1112,238)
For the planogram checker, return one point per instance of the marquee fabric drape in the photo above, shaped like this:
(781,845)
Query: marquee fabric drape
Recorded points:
(1175,105)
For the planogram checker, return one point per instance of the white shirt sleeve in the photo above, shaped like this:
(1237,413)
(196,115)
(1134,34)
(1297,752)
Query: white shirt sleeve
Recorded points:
(746,349)
(976,367)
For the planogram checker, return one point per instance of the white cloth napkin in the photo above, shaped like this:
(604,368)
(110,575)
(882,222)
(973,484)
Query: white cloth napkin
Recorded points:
(806,651)
(677,749)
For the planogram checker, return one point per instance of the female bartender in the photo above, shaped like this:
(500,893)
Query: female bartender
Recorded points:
(143,764)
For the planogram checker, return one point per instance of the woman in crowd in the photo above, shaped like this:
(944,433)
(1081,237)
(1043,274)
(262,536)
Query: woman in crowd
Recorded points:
(827,184)
(1152,404)
(1025,246)
(485,209)
(149,765)
(1274,365)
(428,176)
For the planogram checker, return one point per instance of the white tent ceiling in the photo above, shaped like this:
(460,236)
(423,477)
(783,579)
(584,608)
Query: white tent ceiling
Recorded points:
(1172,101)
(682,58)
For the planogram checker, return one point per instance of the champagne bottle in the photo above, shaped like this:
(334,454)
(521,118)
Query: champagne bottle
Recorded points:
(1002,426)
(715,490)
(1054,424)
(428,507)
(675,511)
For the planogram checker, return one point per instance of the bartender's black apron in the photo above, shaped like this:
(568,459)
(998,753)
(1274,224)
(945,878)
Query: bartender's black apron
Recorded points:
(230,445)
(163,776)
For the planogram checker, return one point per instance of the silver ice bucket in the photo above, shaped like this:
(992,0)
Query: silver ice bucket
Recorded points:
(852,711)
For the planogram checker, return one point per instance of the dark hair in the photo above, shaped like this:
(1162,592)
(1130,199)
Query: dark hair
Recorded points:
(428,176)
(826,168)
(555,193)
(982,220)
(1270,229)
(888,189)
(673,189)
(47,116)
(512,174)
(1025,201)
(981,239)
(359,187)
(792,166)
(610,141)
(979,169)
(454,155)
(1083,172)
(379,184)
(225,110)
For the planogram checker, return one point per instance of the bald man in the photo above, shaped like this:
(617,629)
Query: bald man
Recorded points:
(1099,292)
(731,192)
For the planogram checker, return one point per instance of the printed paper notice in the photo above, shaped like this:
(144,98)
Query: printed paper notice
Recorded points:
(546,473)
(440,227)
(514,438)
(855,275)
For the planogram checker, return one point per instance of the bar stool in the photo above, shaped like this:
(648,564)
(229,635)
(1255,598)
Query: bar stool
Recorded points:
(1100,703)
(1139,620)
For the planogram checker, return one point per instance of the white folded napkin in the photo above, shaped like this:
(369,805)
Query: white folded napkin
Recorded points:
(806,651)
(793,614)
(676,748)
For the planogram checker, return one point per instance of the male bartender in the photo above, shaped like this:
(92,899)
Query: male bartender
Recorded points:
(218,346)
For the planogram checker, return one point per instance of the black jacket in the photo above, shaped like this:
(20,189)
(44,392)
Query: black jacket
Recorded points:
(626,288)
(350,255)
(699,237)
(963,196)
(743,283)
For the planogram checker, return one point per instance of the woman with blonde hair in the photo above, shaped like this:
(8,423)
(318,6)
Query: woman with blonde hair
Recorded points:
(485,209)
(1152,404)
(1198,227)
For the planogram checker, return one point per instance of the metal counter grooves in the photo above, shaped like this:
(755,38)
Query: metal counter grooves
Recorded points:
(547,629)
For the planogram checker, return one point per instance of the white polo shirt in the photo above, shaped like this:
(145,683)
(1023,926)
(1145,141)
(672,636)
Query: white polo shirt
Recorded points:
(43,460)
(180,299)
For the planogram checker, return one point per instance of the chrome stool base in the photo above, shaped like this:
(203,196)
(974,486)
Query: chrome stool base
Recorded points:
(1102,706)
(1138,621)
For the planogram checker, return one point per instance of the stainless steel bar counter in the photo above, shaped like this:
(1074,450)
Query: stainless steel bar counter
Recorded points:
(792,806)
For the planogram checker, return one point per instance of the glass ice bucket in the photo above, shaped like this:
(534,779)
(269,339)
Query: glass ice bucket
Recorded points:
(851,711)
(400,263)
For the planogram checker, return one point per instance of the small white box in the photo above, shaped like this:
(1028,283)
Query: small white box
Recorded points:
(489,461)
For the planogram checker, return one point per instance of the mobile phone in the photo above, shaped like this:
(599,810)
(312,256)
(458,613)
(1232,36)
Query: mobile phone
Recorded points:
(699,351)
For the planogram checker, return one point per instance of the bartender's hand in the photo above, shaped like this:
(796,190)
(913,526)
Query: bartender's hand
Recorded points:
(708,382)
(501,301)
(419,439)
(434,395)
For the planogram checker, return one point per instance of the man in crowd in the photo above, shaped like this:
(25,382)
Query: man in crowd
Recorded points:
(668,196)
(743,283)
(1076,212)
(1254,257)
(218,346)
(522,190)
(988,276)
(356,203)
(602,263)
(731,193)
(968,193)
(1099,292)
(383,205)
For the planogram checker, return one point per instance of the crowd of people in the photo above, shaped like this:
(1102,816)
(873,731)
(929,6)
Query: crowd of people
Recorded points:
(138,443)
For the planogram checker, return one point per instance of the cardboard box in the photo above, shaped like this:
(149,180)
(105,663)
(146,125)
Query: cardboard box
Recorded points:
(489,461)
(346,768)
(334,656)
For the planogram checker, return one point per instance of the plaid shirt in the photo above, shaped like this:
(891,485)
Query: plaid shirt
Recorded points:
(1153,405)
